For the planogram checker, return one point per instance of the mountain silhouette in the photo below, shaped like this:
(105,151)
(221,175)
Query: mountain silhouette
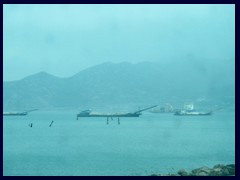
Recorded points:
(120,84)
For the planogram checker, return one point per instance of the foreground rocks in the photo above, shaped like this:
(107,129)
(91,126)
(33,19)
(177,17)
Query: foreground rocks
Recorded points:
(217,170)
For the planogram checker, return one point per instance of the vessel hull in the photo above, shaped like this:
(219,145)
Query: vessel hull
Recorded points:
(17,114)
(109,115)
(186,114)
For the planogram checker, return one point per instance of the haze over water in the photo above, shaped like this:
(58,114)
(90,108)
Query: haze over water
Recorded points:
(66,39)
(62,59)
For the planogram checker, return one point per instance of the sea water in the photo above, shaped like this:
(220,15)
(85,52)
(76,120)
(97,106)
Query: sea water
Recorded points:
(152,143)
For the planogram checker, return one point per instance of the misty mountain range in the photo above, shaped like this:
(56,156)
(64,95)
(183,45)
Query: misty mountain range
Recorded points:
(123,84)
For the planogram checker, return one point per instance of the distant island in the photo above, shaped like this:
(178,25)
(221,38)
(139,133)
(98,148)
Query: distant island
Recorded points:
(121,85)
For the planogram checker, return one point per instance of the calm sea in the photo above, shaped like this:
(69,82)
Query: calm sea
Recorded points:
(152,143)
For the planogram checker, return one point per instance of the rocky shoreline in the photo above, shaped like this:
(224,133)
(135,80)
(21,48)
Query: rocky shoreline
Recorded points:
(217,170)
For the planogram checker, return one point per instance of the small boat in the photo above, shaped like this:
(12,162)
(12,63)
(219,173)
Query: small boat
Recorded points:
(15,113)
(23,113)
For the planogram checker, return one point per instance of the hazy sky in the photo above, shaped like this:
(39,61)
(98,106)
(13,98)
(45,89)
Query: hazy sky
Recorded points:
(64,39)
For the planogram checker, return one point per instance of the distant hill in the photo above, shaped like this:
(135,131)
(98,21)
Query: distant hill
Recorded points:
(110,84)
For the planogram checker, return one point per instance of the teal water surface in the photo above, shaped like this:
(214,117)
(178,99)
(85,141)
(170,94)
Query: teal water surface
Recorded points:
(152,143)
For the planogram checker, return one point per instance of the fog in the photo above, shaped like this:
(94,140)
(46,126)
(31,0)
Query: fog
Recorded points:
(64,39)
(118,90)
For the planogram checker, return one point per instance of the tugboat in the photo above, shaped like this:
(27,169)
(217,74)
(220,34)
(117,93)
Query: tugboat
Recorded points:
(190,111)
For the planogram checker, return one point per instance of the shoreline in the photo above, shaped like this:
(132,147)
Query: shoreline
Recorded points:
(216,170)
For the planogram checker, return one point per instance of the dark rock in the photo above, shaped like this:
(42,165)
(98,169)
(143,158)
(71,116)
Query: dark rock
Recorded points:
(222,170)
(154,175)
(216,172)
(182,172)
(218,166)
(231,169)
(172,175)
(203,171)
(231,166)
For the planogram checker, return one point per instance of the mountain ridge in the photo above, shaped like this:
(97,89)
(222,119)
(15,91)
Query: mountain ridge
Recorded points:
(112,84)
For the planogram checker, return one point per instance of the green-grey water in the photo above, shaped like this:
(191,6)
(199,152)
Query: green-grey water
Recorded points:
(161,143)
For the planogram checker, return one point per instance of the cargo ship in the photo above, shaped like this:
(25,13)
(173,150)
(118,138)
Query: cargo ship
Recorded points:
(190,111)
(89,113)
